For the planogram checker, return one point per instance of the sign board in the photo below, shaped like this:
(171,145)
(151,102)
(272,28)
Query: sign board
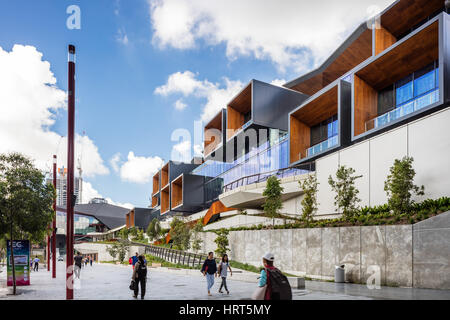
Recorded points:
(21,262)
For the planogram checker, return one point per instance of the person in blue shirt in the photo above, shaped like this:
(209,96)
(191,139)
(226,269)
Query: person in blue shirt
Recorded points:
(36,263)
(209,269)
(135,259)
(268,260)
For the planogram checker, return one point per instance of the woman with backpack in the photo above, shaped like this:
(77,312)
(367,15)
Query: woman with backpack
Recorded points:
(139,276)
(223,268)
(276,284)
(209,269)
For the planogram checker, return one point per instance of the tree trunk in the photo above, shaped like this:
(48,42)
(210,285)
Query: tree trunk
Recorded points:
(12,258)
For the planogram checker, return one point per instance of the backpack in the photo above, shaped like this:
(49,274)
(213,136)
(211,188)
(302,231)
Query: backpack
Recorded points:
(142,270)
(279,285)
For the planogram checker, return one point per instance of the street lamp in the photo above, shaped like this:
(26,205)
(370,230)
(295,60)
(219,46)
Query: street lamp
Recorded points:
(70,172)
(54,222)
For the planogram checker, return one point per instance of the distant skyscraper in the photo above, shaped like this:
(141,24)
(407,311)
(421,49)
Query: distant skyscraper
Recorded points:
(61,188)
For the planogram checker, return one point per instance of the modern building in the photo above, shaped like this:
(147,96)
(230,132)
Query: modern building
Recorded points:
(61,188)
(141,217)
(92,221)
(383,94)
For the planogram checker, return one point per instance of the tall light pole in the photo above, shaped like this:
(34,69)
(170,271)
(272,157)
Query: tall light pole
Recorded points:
(54,222)
(70,174)
(48,250)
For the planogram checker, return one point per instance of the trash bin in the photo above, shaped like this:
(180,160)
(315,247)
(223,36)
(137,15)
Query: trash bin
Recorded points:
(339,274)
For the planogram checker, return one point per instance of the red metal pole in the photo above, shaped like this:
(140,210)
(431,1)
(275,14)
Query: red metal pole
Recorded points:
(54,223)
(70,174)
(48,253)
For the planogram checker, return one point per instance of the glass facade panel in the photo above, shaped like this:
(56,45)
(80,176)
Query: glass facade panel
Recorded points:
(424,83)
(404,91)
(412,93)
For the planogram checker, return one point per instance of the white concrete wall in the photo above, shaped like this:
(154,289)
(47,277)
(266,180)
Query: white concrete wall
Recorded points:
(103,254)
(427,140)
(293,206)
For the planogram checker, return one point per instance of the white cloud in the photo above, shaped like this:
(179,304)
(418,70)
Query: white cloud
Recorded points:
(89,192)
(122,37)
(120,204)
(292,33)
(180,105)
(140,169)
(114,162)
(29,100)
(182,151)
(198,150)
(216,95)
(278,82)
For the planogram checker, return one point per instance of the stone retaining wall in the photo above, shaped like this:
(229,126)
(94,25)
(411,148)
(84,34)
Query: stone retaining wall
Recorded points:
(405,255)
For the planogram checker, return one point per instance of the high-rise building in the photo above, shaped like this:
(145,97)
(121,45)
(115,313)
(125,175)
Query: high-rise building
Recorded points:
(61,188)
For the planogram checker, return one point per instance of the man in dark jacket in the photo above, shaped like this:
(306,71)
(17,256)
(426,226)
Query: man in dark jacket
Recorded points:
(209,269)
(78,263)
(139,276)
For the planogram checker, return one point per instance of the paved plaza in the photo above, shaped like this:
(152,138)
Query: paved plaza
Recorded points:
(110,282)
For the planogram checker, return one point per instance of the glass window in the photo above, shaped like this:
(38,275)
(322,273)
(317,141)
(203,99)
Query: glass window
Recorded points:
(404,90)
(437,77)
(424,83)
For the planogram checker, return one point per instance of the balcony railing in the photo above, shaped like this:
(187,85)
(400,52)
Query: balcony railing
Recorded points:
(261,177)
(331,142)
(403,110)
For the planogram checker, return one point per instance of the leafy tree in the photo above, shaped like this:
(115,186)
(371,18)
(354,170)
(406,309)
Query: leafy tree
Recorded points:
(222,242)
(400,186)
(309,201)
(112,250)
(119,249)
(123,234)
(154,229)
(139,235)
(133,232)
(25,201)
(346,198)
(273,202)
(180,234)
(197,242)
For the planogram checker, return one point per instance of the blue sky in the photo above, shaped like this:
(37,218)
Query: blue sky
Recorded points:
(127,49)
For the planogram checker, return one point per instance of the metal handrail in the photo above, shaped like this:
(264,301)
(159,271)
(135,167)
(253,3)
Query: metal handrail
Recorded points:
(263,176)
(176,256)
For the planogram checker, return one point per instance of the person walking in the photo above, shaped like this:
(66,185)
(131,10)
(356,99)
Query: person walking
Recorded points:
(86,261)
(223,269)
(209,269)
(36,264)
(276,284)
(135,259)
(139,276)
(90,261)
(78,263)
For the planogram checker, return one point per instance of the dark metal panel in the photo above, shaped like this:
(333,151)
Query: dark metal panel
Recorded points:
(178,168)
(344,111)
(193,191)
(193,194)
(272,104)
(444,64)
